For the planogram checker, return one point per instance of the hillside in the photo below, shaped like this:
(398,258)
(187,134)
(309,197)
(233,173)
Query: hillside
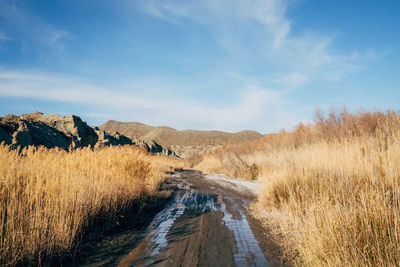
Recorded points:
(37,129)
(186,142)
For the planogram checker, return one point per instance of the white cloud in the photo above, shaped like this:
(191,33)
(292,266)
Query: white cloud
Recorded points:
(255,30)
(269,13)
(309,55)
(291,81)
(28,26)
(5,37)
(54,38)
(255,105)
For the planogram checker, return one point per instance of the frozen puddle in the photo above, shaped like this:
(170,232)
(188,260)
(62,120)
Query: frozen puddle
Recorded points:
(241,186)
(164,220)
(248,253)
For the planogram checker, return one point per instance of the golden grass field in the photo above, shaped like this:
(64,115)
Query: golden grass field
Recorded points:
(331,190)
(49,196)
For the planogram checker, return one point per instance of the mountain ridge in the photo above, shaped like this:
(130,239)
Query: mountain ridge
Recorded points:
(140,130)
(184,143)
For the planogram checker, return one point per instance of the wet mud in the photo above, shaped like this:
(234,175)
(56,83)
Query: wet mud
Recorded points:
(203,224)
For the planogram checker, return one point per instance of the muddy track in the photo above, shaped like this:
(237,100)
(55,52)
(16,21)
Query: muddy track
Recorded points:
(205,224)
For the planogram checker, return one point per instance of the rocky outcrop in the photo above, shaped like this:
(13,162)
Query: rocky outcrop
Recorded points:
(80,133)
(25,133)
(113,139)
(155,148)
(64,132)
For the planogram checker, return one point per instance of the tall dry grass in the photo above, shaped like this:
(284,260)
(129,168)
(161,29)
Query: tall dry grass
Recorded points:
(336,204)
(331,190)
(49,197)
(245,160)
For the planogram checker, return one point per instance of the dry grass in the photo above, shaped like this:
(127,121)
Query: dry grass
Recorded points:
(331,190)
(49,197)
(10,117)
(337,204)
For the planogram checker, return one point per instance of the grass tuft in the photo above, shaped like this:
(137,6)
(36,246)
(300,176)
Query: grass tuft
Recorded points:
(331,189)
(49,197)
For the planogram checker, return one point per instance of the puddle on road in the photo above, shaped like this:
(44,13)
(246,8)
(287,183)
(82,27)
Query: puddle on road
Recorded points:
(248,251)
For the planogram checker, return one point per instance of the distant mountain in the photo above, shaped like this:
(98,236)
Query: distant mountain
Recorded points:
(64,132)
(184,143)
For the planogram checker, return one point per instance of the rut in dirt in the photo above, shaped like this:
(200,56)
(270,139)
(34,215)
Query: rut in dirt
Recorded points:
(204,225)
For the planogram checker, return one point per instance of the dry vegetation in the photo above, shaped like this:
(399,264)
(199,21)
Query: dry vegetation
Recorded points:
(331,190)
(50,197)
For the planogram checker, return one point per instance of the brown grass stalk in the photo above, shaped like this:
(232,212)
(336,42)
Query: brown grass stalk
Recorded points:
(49,197)
(331,190)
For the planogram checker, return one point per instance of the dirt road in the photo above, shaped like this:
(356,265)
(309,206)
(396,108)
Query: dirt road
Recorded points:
(205,224)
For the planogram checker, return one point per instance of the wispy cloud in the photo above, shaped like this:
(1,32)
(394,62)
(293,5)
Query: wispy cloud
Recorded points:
(254,104)
(262,62)
(271,13)
(4,37)
(290,81)
(27,26)
(308,55)
(312,56)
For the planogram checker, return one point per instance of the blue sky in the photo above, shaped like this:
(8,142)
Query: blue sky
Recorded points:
(202,64)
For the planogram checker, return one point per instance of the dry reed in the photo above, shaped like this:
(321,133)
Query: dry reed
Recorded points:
(331,190)
(49,196)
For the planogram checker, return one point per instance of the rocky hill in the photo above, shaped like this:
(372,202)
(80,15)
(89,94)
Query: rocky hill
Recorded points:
(184,143)
(64,132)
